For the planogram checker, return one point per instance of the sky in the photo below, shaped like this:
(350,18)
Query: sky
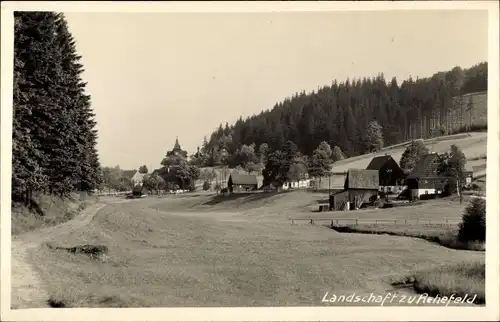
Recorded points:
(155,76)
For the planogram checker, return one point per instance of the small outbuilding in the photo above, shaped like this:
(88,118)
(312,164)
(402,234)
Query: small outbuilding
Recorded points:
(361,186)
(238,182)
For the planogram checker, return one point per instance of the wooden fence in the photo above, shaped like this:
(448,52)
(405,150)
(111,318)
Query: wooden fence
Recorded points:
(119,193)
(370,221)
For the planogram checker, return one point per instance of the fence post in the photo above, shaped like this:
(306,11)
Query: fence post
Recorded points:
(292,221)
(356,221)
(332,222)
(311,221)
(405,222)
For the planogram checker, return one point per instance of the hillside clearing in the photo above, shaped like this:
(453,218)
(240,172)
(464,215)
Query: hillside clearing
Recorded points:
(472,144)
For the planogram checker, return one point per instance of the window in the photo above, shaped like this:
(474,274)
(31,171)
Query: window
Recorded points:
(426,192)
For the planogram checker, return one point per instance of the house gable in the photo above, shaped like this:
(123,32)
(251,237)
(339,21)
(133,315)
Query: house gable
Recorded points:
(390,173)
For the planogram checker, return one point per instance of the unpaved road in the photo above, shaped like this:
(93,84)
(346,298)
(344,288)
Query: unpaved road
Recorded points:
(27,288)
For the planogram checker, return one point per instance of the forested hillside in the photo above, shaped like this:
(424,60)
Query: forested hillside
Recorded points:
(340,114)
(54,135)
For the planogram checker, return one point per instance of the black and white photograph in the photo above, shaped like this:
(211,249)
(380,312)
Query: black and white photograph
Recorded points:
(249,158)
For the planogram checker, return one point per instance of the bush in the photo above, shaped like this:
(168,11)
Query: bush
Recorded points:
(473,225)
(475,187)
(206,185)
(191,187)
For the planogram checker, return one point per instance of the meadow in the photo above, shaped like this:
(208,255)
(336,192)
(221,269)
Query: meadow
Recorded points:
(203,249)
(159,256)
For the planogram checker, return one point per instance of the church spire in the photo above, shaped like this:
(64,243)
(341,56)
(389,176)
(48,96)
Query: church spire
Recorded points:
(177,145)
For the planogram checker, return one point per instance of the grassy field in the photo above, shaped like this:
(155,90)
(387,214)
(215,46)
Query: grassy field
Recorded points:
(442,234)
(202,249)
(464,279)
(159,256)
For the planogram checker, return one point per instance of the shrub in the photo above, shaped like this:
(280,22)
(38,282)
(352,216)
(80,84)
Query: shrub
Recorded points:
(206,185)
(473,225)
(191,187)
(475,186)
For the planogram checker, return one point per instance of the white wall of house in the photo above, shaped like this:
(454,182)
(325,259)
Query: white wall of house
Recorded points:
(393,189)
(416,193)
(302,184)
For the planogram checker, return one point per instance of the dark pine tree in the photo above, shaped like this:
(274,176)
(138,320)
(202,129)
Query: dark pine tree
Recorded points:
(54,139)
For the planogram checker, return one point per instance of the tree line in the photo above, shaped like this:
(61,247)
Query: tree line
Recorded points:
(54,135)
(341,114)
(175,173)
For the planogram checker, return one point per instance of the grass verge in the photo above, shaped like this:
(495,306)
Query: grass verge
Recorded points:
(465,280)
(48,211)
(442,234)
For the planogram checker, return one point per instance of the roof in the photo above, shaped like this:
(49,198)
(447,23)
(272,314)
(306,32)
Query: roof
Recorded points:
(362,179)
(426,166)
(128,173)
(140,176)
(243,179)
(378,162)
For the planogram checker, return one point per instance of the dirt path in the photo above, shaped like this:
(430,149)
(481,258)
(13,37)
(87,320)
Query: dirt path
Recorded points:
(27,288)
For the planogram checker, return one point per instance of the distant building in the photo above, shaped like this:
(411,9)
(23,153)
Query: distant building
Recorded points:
(361,186)
(134,176)
(425,178)
(238,182)
(301,184)
(391,176)
(468,175)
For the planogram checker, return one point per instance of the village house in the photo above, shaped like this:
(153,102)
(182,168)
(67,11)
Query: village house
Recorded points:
(425,178)
(391,176)
(238,182)
(134,176)
(361,186)
(468,175)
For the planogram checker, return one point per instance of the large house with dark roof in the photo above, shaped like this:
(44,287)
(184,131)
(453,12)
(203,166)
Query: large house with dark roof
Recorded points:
(391,176)
(425,178)
(238,182)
